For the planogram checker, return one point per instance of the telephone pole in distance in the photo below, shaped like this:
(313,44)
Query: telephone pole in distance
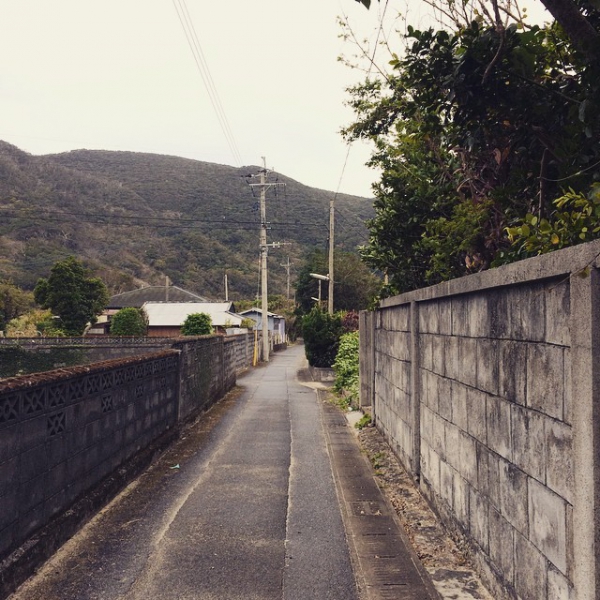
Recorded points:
(264,251)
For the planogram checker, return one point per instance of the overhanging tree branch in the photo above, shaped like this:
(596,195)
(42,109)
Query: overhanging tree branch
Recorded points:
(581,32)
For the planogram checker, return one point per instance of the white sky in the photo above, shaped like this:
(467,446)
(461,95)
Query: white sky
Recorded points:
(119,75)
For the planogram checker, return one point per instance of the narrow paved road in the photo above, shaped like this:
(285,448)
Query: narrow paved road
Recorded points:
(243,507)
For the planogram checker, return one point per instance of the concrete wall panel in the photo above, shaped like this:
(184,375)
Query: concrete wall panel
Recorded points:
(505,381)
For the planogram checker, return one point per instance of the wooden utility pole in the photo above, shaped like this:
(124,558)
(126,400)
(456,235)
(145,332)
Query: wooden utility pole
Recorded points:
(264,251)
(331,245)
(287,269)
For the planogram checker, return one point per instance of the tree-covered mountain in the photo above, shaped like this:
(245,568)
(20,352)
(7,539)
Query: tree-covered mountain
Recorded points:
(135,218)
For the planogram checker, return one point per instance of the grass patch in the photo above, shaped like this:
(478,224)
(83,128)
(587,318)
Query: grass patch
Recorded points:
(364,421)
(377,460)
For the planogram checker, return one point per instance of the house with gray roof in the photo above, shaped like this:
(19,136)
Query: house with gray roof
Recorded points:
(166,318)
(137,299)
(276,323)
(153,293)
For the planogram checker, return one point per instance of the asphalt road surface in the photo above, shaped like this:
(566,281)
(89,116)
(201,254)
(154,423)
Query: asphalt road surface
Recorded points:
(244,506)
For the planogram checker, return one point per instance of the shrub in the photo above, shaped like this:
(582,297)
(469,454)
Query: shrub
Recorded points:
(321,332)
(346,366)
(33,323)
(197,324)
(129,321)
(364,421)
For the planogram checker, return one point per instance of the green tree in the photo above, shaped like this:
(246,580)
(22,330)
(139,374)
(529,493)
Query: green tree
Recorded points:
(355,285)
(129,321)
(33,323)
(197,324)
(14,302)
(578,18)
(321,332)
(72,294)
(473,129)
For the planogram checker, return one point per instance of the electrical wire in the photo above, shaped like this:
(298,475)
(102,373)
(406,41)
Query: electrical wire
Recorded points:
(139,221)
(202,65)
(371,65)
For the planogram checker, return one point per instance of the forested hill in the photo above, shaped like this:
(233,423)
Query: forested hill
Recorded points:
(135,218)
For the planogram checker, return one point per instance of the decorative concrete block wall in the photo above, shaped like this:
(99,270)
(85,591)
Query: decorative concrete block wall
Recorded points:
(487,389)
(33,355)
(61,433)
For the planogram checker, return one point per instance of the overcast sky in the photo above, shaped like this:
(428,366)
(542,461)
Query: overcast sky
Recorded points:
(120,75)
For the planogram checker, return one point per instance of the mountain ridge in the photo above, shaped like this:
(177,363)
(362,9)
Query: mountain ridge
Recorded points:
(136,218)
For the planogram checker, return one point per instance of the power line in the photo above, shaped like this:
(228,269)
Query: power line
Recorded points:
(137,221)
(202,65)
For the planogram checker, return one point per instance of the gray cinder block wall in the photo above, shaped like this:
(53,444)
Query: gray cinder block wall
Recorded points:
(208,369)
(487,389)
(63,432)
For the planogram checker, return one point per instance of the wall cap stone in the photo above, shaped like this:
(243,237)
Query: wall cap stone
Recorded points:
(547,266)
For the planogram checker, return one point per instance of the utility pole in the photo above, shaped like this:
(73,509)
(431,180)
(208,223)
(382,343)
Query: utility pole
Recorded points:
(264,251)
(226,283)
(263,261)
(331,245)
(287,269)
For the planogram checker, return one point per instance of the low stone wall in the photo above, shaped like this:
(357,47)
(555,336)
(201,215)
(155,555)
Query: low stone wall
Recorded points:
(65,432)
(473,382)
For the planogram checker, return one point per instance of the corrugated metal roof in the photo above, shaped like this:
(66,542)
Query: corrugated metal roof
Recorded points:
(173,314)
(154,293)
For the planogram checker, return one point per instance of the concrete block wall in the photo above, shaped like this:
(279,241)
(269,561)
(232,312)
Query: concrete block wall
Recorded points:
(209,366)
(392,348)
(239,352)
(200,375)
(366,357)
(62,432)
(33,355)
(486,368)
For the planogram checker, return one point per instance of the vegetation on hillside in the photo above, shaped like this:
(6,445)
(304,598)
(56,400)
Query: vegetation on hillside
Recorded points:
(135,218)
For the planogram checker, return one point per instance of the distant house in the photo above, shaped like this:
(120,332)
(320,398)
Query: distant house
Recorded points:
(166,318)
(276,324)
(137,299)
(154,293)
